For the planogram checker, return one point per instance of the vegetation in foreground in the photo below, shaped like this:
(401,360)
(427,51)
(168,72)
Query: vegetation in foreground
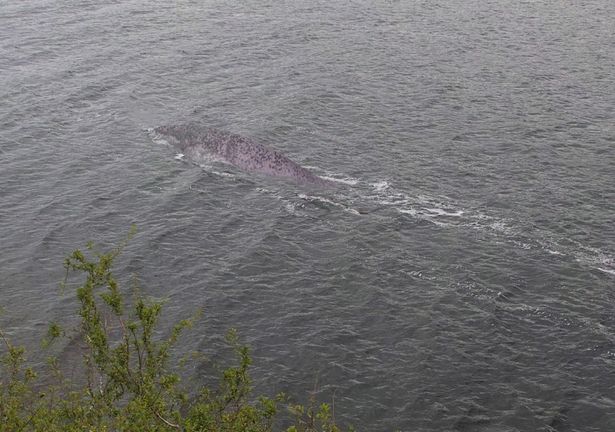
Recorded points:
(127,382)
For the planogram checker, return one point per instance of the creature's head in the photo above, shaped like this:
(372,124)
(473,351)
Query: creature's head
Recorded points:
(171,134)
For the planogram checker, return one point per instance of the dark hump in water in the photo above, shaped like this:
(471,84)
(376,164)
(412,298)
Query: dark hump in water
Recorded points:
(197,142)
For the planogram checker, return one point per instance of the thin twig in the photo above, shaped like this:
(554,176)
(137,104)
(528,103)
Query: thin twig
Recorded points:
(6,341)
(168,423)
(333,406)
(134,336)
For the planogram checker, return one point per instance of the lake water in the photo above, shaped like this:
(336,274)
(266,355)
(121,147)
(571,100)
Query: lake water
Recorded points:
(462,275)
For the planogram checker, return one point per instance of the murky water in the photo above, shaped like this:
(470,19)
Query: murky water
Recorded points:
(460,278)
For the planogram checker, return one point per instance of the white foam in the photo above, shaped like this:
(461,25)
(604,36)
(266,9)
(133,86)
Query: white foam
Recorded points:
(292,209)
(393,202)
(381,185)
(352,211)
(411,212)
(223,173)
(349,180)
(500,226)
(179,156)
(522,245)
(334,177)
(442,212)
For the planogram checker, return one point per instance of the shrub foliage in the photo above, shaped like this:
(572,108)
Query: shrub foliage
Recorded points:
(128,383)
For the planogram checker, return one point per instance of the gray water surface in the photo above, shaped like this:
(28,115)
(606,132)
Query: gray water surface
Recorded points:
(460,278)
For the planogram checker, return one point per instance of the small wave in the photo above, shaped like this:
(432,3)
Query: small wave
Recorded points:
(443,212)
(313,198)
(394,201)
(609,271)
(332,176)
(411,212)
(223,174)
(421,215)
(349,180)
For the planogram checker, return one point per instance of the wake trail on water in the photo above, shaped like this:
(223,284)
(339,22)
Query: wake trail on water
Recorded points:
(363,198)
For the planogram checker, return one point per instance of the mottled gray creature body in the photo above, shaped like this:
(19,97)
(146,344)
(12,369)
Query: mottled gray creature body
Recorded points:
(199,143)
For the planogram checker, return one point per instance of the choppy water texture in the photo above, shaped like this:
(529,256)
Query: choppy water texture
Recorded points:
(460,278)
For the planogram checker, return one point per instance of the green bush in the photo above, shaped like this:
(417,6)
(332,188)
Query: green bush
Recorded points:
(127,382)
